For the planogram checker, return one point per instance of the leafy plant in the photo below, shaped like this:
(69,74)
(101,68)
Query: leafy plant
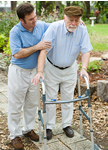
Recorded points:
(7,49)
(3,39)
(94,66)
(7,21)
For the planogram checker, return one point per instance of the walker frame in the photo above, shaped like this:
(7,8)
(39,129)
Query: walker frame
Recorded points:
(81,111)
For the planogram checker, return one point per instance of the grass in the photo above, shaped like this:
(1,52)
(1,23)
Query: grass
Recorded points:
(98,36)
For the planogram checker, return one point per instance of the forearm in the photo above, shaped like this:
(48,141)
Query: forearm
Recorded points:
(41,61)
(85,59)
(25,52)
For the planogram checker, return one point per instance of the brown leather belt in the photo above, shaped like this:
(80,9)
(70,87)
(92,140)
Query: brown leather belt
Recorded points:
(58,66)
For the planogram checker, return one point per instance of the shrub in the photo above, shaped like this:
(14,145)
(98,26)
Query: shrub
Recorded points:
(7,21)
(3,40)
(7,49)
(93,66)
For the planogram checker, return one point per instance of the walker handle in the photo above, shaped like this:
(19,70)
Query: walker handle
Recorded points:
(84,76)
(41,80)
(43,85)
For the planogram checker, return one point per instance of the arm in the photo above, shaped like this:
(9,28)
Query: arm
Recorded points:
(25,52)
(40,67)
(85,61)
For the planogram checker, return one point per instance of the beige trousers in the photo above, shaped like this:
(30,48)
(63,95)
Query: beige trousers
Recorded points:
(21,94)
(66,79)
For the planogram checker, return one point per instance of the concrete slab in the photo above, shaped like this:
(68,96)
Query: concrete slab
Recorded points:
(3,103)
(53,143)
(82,145)
(95,58)
(58,129)
(105,56)
(68,141)
(5,93)
(57,146)
(3,87)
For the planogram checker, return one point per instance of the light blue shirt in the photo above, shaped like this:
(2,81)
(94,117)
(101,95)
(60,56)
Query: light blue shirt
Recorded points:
(66,46)
(22,38)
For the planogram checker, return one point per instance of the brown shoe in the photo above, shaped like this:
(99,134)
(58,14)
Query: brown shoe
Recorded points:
(68,131)
(32,135)
(17,143)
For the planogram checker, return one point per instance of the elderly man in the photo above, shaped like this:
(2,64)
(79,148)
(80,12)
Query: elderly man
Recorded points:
(68,38)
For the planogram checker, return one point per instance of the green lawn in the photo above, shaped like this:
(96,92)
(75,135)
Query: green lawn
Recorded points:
(98,36)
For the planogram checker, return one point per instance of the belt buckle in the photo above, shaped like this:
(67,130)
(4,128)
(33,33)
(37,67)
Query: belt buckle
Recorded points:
(61,67)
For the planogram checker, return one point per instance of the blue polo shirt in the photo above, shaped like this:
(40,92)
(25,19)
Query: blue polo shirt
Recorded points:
(66,46)
(22,38)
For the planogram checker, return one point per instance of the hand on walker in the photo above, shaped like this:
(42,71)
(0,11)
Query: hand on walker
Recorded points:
(84,72)
(37,77)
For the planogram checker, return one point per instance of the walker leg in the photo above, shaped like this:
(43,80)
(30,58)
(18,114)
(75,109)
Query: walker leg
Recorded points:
(44,118)
(91,130)
(45,138)
(39,111)
(80,113)
(81,127)
(40,140)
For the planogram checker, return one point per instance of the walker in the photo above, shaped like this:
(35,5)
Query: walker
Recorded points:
(81,111)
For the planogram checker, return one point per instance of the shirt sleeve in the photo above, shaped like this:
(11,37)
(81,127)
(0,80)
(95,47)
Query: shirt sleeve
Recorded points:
(46,25)
(49,35)
(15,42)
(85,42)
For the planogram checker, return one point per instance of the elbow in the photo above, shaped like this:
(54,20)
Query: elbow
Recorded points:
(16,56)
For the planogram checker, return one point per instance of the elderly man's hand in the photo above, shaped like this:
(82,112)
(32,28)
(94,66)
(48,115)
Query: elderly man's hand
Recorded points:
(37,77)
(84,72)
(81,22)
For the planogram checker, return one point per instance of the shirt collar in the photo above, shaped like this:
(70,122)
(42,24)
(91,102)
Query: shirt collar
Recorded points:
(21,27)
(65,30)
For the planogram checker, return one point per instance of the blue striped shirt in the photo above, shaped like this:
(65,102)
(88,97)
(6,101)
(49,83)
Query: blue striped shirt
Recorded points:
(22,38)
(66,46)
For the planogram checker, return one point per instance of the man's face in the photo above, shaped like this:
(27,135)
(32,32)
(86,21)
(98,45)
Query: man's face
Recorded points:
(29,21)
(71,22)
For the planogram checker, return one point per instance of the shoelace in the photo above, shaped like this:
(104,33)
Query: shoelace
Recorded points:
(31,132)
(17,139)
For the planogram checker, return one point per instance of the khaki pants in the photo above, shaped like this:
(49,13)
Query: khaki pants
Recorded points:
(66,79)
(21,93)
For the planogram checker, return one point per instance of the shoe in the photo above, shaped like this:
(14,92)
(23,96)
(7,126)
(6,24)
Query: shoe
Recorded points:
(17,143)
(68,131)
(32,135)
(49,134)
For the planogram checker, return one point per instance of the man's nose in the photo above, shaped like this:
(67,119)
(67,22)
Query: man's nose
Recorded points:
(73,22)
(35,19)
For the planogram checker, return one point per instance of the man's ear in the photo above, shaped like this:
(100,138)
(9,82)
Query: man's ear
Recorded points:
(22,21)
(64,17)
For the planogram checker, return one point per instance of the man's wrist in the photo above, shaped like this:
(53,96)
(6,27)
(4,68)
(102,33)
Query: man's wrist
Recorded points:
(84,67)
(39,72)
